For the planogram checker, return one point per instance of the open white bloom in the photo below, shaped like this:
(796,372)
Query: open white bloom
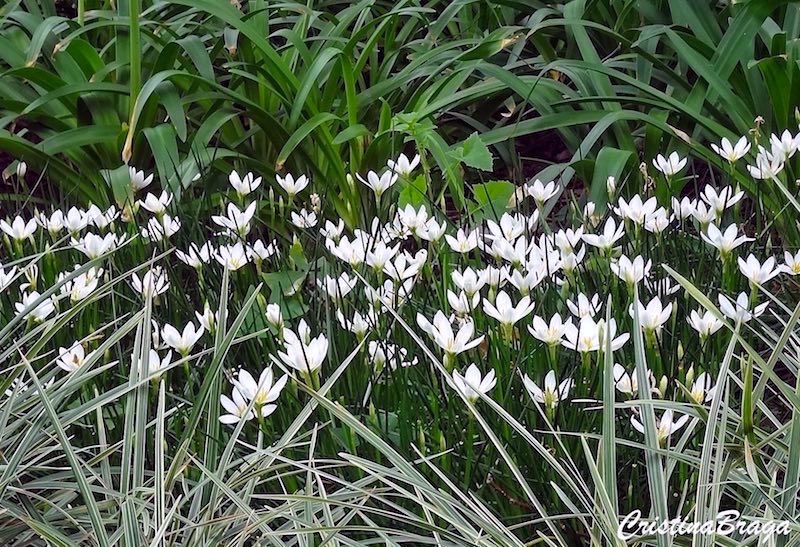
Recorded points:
(379,183)
(332,231)
(413,219)
(472,384)
(526,282)
(784,146)
(541,192)
(732,152)
(291,186)
(405,266)
(636,210)
(684,208)
(757,273)
(93,245)
(568,240)
(156,205)
(469,281)
(196,256)
(719,201)
(767,165)
(182,342)
(665,427)
(584,306)
(304,219)
(403,166)
(258,251)
(704,215)
(433,230)
(653,316)
(302,353)
(461,304)
(551,334)
(6,277)
(740,311)
(208,319)
(703,389)
(244,185)
(153,283)
(725,241)
(233,256)
(138,179)
(631,271)
(552,394)
(53,224)
(156,364)
(509,228)
(671,165)
(104,219)
(339,287)
(159,229)
(706,324)
(380,254)
(262,393)
(504,310)
(71,359)
(590,335)
(611,233)
(351,252)
(658,221)
(441,331)
(236,220)
(82,285)
(628,384)
(42,310)
(359,324)
(790,266)
(462,242)
(19,229)
(236,408)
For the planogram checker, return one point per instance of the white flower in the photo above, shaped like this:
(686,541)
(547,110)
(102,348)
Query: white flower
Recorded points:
(413,219)
(441,331)
(19,229)
(670,165)
(631,271)
(704,215)
(236,408)
(739,311)
(784,146)
(138,179)
(542,192)
(236,220)
(527,282)
(684,208)
(567,240)
(461,304)
(706,324)
(379,184)
(71,359)
(291,186)
(552,394)
(274,316)
(332,231)
(703,389)
(590,335)
(584,306)
(665,427)
(732,152)
(6,277)
(304,219)
(42,310)
(196,256)
(379,256)
(302,353)
(405,266)
(53,224)
(339,287)
(103,219)
(509,228)
(360,324)
(791,265)
(505,312)
(611,186)
(182,342)
(156,205)
(94,246)
(757,273)
(767,165)
(472,384)
(469,281)
(658,221)
(259,252)
(725,241)
(653,316)
(244,185)
(156,364)
(636,211)
(153,283)
(160,229)
(263,393)
(403,166)
(22,169)
(82,285)
(433,231)
(628,384)
(551,334)
(207,319)
(351,252)
(719,201)
(232,256)
(611,233)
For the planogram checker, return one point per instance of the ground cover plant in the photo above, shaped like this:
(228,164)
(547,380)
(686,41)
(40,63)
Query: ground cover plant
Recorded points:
(398,274)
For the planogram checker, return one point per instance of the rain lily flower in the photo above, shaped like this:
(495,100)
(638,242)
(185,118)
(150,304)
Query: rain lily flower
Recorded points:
(628,384)
(339,287)
(196,256)
(379,184)
(19,229)
(584,306)
(82,285)
(551,334)
(259,252)
(631,271)
(441,331)
(153,283)
(732,152)
(461,304)
(71,359)
(433,231)
(6,277)
(703,389)
(719,201)
(611,234)
(236,220)
(332,231)
(22,169)
(208,319)
(236,408)
(658,221)
(552,394)
(161,229)
(684,208)
(790,266)
(262,393)
(93,245)
(589,335)
(403,166)
(472,384)
(351,252)
(156,205)
(568,240)
(182,342)
(156,365)
(636,211)
(274,317)
(757,273)
(767,165)
(505,312)
(42,310)
(665,427)
(740,311)
(653,316)
(704,215)
(291,186)
(405,266)
(104,219)
(359,324)
(233,256)
(138,179)
(706,324)
(784,146)
(53,224)
(671,165)
(413,219)
(470,281)
(725,241)
(304,219)
(542,192)
(302,353)
(244,185)
(379,256)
